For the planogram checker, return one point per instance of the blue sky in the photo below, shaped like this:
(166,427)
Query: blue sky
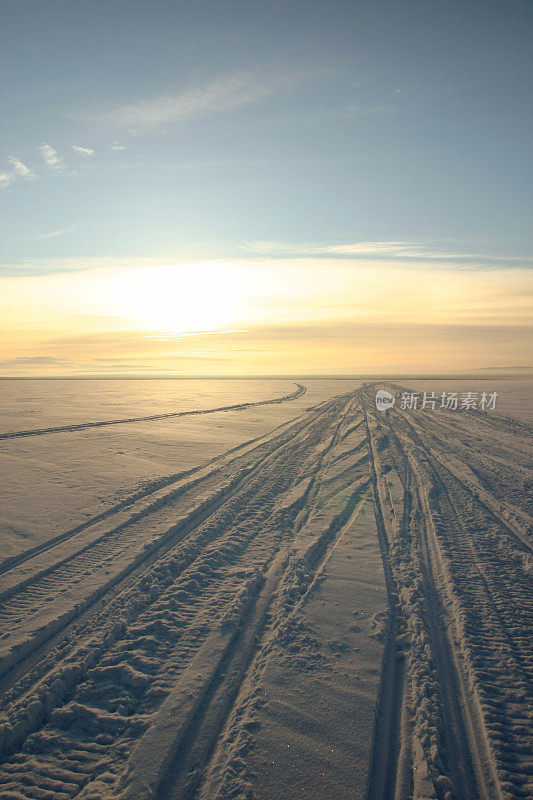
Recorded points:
(329,123)
(138,133)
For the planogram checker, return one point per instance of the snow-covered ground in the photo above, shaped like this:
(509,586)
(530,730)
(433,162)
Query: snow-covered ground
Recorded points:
(53,482)
(303,598)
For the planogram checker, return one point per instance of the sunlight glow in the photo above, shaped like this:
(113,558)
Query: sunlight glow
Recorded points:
(254,316)
(185,298)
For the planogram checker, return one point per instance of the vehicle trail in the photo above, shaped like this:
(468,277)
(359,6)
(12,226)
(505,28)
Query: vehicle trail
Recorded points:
(135,646)
(300,390)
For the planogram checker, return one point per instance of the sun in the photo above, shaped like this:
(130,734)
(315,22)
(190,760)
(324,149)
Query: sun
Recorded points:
(186,298)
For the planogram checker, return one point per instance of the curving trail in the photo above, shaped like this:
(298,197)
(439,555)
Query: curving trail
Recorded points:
(300,389)
(135,646)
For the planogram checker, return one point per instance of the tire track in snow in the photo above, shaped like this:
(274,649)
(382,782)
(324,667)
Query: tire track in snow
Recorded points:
(177,635)
(119,647)
(473,599)
(300,390)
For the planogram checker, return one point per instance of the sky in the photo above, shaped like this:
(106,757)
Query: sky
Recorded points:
(221,188)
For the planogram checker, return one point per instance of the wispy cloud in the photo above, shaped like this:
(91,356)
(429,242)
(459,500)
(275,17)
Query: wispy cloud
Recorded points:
(70,264)
(374,255)
(116,146)
(269,247)
(378,251)
(220,95)
(54,234)
(31,360)
(50,156)
(314,347)
(19,168)
(83,151)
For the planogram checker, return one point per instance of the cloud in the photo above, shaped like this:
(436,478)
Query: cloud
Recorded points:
(342,347)
(69,264)
(83,151)
(31,360)
(50,156)
(263,254)
(220,95)
(411,252)
(19,168)
(116,146)
(309,249)
(54,234)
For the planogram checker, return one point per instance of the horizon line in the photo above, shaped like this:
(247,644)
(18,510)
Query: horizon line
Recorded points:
(527,372)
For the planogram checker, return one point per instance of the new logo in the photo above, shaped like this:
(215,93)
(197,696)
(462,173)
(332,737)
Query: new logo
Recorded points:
(384,400)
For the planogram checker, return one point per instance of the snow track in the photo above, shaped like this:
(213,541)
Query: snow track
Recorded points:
(134,644)
(459,555)
(102,423)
